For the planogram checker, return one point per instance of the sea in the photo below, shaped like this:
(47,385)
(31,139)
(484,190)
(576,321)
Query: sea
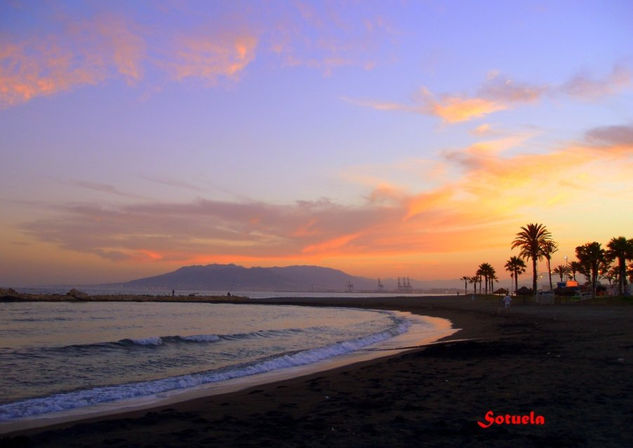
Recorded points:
(57,357)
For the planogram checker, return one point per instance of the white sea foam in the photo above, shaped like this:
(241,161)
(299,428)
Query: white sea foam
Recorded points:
(156,340)
(81,398)
(201,338)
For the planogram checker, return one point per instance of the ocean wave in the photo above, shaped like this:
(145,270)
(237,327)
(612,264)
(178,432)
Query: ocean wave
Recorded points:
(154,342)
(81,398)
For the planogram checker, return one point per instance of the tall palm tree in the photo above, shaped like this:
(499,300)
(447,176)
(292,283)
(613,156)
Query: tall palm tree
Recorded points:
(515,266)
(530,240)
(548,248)
(493,279)
(591,256)
(466,279)
(487,272)
(620,249)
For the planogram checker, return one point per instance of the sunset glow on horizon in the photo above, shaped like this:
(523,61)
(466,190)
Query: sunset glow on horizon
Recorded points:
(381,138)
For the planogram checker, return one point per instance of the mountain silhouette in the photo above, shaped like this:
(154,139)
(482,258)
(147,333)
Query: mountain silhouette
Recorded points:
(220,277)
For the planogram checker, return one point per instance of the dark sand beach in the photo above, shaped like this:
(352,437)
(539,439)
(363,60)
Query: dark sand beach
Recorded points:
(571,364)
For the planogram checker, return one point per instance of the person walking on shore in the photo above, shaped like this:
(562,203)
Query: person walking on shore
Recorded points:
(507,300)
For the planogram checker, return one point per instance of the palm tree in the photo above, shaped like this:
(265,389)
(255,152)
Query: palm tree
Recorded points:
(620,249)
(591,256)
(493,279)
(548,248)
(561,270)
(530,241)
(574,267)
(487,272)
(466,279)
(474,279)
(515,266)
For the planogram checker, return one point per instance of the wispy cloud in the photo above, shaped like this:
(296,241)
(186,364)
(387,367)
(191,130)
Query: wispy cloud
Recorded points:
(209,57)
(103,188)
(497,186)
(329,35)
(498,93)
(586,86)
(81,54)
(611,135)
(70,52)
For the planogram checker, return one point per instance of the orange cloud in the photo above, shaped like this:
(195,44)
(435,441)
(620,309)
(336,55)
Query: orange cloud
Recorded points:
(331,245)
(455,109)
(31,69)
(497,191)
(500,93)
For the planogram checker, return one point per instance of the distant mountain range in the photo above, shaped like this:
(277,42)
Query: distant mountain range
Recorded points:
(231,277)
(220,277)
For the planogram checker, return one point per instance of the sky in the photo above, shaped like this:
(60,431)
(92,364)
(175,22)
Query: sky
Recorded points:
(383,138)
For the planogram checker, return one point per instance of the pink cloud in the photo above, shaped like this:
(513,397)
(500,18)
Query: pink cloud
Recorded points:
(586,86)
(499,93)
(82,53)
(209,56)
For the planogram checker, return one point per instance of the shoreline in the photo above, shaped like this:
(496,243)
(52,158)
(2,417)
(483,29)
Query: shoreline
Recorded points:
(571,363)
(421,331)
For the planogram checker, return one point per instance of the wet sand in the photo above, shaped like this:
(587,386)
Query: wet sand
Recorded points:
(571,364)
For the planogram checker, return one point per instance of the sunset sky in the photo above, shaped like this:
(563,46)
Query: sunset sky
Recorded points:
(383,138)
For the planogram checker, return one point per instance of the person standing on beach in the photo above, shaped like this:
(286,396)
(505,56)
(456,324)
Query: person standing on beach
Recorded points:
(507,300)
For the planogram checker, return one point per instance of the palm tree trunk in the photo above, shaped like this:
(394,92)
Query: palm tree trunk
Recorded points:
(622,279)
(534,275)
(516,281)
(549,271)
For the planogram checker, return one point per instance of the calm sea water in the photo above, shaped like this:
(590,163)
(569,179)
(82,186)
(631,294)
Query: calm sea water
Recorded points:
(63,356)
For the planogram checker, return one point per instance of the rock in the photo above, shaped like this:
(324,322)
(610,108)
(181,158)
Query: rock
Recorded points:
(77,294)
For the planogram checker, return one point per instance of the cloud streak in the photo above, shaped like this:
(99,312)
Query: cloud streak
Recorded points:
(500,93)
(469,213)
(210,57)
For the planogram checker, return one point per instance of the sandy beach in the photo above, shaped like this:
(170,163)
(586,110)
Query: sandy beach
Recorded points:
(570,364)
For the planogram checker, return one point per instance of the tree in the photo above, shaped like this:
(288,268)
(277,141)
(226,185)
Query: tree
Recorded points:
(530,241)
(620,249)
(548,248)
(591,256)
(574,267)
(562,271)
(466,279)
(474,279)
(487,272)
(515,266)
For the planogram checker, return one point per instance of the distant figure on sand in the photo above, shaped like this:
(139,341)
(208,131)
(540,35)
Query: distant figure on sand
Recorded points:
(173,292)
(507,300)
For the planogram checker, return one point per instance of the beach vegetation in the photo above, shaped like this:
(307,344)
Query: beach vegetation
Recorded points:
(473,280)
(548,248)
(562,271)
(620,249)
(466,280)
(591,257)
(530,241)
(488,273)
(574,267)
(516,266)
